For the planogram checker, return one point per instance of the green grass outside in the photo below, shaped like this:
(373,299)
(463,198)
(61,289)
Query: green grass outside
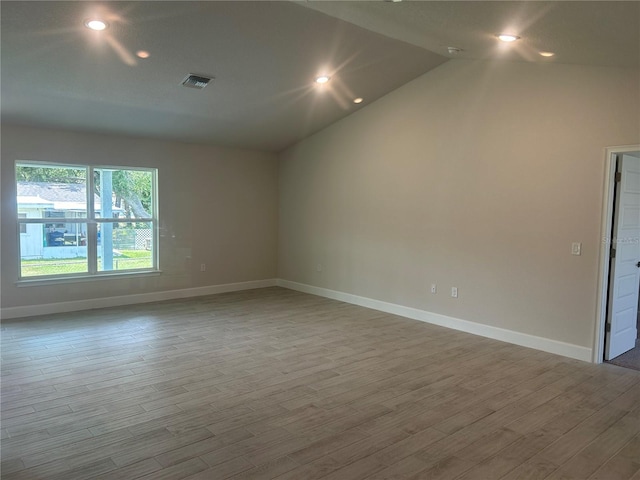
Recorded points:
(124,260)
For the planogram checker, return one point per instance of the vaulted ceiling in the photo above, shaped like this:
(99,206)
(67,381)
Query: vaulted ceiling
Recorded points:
(264,57)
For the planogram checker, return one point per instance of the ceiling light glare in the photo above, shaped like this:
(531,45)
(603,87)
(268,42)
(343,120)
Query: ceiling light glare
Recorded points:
(323,79)
(143,54)
(507,37)
(358,100)
(547,54)
(97,25)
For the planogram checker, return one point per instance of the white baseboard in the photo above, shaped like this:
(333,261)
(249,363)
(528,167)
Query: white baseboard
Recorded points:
(76,305)
(525,340)
(510,336)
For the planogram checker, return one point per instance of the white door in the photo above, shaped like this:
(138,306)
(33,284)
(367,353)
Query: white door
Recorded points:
(625,269)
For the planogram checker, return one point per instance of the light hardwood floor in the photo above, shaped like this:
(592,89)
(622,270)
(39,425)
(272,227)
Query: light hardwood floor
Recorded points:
(273,383)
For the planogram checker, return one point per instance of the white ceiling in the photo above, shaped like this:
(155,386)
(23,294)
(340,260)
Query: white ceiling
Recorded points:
(598,33)
(264,56)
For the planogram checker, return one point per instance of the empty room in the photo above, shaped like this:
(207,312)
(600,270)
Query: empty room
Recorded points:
(328,240)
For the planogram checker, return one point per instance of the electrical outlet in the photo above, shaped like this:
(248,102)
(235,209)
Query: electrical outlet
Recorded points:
(434,288)
(454,292)
(319,267)
(203,267)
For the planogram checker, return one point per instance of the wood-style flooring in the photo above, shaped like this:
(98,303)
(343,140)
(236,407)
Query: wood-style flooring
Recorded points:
(273,383)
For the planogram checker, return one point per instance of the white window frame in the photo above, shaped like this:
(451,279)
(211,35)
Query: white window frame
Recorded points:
(92,220)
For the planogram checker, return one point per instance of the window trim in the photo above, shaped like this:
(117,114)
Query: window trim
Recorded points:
(92,221)
(42,280)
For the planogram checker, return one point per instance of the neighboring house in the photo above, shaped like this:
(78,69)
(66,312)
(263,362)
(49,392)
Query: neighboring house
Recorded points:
(55,201)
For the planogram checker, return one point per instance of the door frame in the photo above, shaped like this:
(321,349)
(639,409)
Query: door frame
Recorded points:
(606,224)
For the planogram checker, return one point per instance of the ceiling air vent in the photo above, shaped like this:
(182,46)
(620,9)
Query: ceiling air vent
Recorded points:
(196,81)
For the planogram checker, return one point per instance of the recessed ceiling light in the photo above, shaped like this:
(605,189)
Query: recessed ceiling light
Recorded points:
(323,79)
(95,24)
(507,37)
(547,54)
(358,100)
(143,54)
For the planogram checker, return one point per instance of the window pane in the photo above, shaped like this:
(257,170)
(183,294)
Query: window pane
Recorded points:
(23,226)
(125,246)
(51,192)
(130,193)
(45,250)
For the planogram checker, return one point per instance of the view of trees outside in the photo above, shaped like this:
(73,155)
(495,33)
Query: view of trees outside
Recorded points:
(121,194)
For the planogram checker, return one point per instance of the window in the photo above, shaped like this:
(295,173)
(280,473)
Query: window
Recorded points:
(23,226)
(85,220)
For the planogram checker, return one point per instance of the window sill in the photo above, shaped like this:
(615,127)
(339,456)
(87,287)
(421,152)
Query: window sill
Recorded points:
(84,278)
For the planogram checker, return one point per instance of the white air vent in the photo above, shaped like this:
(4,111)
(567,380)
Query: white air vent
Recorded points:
(196,81)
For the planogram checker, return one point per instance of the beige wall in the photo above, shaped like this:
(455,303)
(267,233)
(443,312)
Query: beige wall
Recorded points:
(217,206)
(477,175)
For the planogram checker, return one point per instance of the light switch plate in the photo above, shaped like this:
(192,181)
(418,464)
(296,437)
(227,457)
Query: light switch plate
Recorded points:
(576,248)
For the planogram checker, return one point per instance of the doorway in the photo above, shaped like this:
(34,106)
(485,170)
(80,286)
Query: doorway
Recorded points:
(618,324)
